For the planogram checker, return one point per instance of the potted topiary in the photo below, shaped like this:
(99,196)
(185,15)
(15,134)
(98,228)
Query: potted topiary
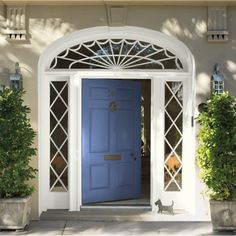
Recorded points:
(217,158)
(16,139)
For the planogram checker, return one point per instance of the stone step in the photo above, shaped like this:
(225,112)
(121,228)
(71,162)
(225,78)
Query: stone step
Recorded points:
(118,208)
(99,214)
(116,214)
(121,216)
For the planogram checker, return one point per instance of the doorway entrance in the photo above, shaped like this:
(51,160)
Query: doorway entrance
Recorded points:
(111,126)
(116,142)
(116,53)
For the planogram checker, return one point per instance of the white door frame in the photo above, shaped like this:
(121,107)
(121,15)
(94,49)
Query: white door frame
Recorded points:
(75,77)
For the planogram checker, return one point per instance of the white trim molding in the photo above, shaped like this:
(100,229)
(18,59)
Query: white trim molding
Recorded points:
(74,78)
(127,32)
(116,54)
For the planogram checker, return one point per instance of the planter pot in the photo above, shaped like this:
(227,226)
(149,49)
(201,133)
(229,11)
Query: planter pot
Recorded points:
(14,213)
(223,215)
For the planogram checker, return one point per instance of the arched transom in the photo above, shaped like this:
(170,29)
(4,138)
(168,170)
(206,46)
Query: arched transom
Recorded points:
(116,54)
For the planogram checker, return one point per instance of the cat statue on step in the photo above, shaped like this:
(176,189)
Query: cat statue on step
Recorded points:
(164,208)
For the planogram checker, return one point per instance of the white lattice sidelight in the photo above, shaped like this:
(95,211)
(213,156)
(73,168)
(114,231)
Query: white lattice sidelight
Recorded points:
(173,135)
(116,54)
(58,136)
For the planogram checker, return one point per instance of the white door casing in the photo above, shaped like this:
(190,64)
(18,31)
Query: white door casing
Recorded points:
(72,198)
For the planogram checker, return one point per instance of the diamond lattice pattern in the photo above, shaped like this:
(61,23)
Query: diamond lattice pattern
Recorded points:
(58,136)
(116,54)
(173,136)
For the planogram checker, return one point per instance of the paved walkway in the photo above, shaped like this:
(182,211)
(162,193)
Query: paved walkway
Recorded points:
(116,228)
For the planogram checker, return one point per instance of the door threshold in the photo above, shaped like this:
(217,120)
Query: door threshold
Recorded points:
(117,207)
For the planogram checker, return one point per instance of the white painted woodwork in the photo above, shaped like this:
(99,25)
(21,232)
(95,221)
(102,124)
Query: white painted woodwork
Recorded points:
(15,22)
(116,14)
(217,30)
(185,199)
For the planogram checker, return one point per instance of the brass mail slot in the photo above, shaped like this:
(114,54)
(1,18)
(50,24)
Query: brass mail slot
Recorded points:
(112,157)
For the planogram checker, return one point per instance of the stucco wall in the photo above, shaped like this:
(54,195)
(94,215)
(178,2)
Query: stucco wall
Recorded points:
(48,23)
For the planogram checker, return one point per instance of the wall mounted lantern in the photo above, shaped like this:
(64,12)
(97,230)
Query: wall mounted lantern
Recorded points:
(16,79)
(217,80)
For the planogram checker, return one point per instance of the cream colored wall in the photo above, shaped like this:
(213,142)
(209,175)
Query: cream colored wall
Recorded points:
(48,23)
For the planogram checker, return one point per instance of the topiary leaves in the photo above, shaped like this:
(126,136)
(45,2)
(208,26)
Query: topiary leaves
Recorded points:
(217,147)
(16,139)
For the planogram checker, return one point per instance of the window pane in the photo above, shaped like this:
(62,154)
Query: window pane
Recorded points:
(58,136)
(173,136)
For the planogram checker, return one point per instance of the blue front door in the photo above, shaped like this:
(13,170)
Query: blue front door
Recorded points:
(111,129)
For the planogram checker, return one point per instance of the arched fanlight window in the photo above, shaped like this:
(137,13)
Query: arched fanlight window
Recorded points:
(116,54)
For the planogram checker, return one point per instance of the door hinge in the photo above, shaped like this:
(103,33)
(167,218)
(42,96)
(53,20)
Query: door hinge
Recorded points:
(192,121)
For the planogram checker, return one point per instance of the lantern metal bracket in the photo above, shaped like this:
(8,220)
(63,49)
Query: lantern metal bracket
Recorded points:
(217,80)
(16,79)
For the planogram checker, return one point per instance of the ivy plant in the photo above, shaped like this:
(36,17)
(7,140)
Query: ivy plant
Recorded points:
(217,147)
(16,140)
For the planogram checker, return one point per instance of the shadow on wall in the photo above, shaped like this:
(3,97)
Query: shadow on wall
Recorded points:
(193,34)
(231,68)
(51,23)
(41,33)
(206,54)
(4,76)
(173,27)
(51,29)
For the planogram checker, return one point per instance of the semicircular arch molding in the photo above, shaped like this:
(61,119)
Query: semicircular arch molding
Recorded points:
(117,48)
